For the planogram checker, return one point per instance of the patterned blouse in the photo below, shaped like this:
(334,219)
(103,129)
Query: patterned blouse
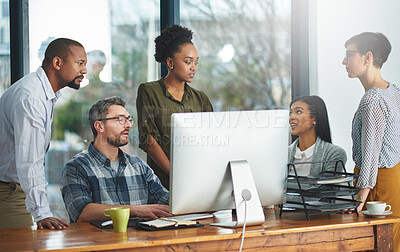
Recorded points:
(376,133)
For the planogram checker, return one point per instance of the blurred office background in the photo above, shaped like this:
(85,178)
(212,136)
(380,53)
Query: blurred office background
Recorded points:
(254,54)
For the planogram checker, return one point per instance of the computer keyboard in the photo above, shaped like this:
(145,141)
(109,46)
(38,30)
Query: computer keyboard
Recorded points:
(195,216)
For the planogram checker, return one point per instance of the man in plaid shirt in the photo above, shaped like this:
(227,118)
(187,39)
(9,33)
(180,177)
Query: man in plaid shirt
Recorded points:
(104,176)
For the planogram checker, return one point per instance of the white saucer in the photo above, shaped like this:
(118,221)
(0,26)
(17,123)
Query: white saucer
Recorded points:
(365,212)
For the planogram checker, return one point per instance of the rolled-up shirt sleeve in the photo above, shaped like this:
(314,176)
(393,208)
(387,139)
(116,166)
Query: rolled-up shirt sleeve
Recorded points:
(29,120)
(146,112)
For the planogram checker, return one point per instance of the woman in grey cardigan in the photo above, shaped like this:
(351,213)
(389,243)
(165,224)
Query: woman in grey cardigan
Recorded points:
(309,121)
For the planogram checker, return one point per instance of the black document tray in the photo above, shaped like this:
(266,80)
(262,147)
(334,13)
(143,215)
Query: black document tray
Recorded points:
(325,180)
(330,191)
(324,191)
(321,206)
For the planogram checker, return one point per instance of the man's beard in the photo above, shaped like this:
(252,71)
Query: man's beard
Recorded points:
(116,141)
(72,83)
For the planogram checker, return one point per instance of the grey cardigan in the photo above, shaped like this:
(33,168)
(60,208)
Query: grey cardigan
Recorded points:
(322,151)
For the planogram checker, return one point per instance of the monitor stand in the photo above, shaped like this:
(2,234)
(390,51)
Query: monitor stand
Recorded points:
(244,192)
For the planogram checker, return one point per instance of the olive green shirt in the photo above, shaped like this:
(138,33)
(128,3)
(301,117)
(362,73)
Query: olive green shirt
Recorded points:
(155,106)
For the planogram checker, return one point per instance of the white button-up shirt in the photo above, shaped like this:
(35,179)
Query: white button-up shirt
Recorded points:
(303,156)
(26,114)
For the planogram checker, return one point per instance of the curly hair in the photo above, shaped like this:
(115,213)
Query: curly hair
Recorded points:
(171,38)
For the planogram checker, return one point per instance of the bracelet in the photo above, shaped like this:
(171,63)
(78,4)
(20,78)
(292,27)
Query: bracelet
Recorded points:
(359,198)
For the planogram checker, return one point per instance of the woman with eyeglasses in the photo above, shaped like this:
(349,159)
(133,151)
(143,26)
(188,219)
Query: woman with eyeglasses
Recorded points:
(157,100)
(376,124)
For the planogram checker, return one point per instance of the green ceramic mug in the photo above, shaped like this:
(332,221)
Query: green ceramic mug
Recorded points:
(119,217)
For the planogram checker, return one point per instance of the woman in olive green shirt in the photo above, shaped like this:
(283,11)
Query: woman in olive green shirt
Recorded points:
(157,100)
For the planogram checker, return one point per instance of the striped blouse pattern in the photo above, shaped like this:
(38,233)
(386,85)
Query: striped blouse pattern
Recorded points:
(376,133)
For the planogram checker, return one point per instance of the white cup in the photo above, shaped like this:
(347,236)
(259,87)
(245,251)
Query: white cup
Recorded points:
(377,207)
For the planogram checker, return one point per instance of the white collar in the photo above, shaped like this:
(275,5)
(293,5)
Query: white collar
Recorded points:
(48,89)
(307,153)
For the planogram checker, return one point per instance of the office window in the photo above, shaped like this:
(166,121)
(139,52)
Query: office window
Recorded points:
(5,73)
(5,9)
(244,49)
(118,36)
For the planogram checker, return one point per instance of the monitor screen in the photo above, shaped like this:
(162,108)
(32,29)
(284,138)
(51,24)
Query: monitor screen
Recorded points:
(202,145)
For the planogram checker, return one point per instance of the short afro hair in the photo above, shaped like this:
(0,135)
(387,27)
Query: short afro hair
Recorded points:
(58,48)
(171,38)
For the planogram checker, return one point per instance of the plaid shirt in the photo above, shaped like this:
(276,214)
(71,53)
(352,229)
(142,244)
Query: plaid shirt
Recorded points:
(89,178)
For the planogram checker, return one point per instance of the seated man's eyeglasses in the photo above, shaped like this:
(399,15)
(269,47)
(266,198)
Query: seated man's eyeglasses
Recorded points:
(122,119)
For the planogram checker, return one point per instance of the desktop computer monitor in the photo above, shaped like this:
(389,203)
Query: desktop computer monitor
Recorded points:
(203,144)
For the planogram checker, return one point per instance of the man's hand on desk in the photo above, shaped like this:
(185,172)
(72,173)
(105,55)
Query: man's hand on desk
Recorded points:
(151,211)
(52,223)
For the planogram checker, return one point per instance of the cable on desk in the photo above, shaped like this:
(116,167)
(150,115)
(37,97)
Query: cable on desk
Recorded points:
(244,224)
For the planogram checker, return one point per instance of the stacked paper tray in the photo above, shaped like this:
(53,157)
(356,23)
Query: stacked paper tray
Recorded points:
(323,180)
(321,206)
(324,191)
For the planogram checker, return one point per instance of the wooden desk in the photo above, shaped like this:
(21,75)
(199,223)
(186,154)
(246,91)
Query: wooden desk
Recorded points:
(292,232)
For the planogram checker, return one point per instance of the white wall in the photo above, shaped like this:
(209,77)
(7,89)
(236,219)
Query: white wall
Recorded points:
(331,24)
